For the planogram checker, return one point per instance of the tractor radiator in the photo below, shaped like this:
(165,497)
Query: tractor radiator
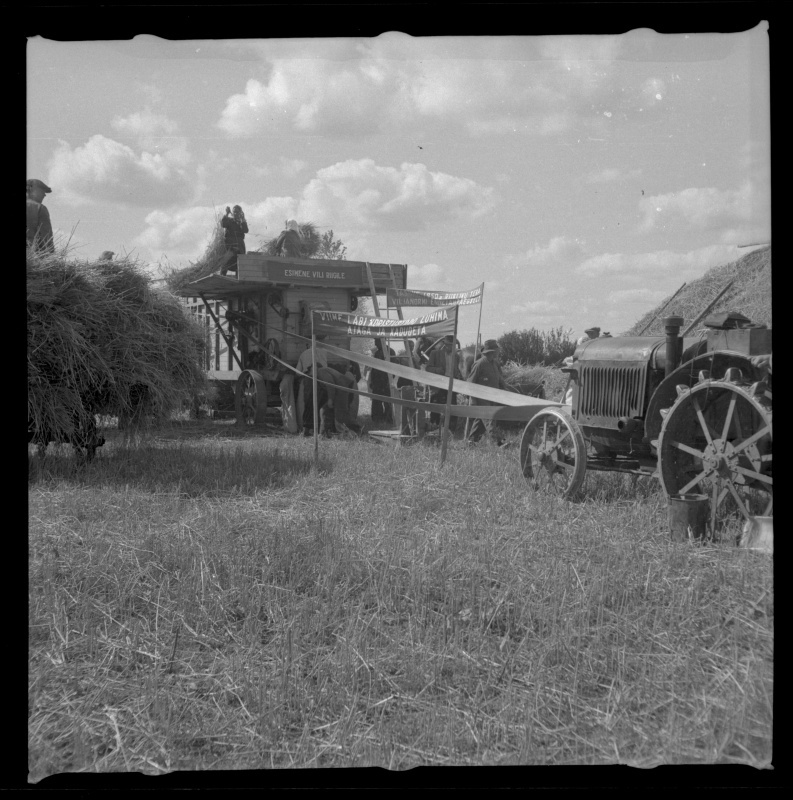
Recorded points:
(608,391)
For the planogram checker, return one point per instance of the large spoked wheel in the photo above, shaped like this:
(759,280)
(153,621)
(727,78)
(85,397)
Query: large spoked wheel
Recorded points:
(251,398)
(553,452)
(716,440)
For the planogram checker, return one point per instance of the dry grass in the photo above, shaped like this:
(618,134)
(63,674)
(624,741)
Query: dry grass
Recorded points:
(213,602)
(750,294)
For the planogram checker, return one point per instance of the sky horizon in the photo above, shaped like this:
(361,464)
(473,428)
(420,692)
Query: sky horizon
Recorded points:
(582,178)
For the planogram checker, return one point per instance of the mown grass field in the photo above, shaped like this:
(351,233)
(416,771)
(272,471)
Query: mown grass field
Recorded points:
(208,600)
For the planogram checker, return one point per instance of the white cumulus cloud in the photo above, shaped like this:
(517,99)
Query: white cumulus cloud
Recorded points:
(104,169)
(659,264)
(699,208)
(560,251)
(485,85)
(360,194)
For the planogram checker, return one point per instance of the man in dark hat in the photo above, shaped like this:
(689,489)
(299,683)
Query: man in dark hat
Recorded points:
(441,356)
(39,226)
(486,372)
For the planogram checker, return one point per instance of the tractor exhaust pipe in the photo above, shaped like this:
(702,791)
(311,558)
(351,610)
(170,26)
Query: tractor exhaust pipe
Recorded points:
(674,343)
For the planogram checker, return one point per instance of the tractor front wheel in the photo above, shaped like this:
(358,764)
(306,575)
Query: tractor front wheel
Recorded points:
(553,452)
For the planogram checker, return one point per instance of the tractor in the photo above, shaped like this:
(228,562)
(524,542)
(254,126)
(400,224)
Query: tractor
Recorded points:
(694,412)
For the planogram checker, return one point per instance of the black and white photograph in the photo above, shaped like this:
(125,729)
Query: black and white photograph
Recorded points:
(399,401)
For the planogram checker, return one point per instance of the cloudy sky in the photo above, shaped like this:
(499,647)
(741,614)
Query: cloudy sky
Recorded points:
(582,178)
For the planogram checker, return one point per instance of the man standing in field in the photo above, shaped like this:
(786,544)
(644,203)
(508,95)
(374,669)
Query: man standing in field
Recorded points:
(441,359)
(39,226)
(486,372)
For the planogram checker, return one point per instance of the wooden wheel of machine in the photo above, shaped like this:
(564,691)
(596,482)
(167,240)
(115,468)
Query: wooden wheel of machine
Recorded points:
(553,452)
(251,398)
(716,440)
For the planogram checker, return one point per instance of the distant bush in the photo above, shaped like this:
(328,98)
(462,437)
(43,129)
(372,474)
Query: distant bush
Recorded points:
(536,347)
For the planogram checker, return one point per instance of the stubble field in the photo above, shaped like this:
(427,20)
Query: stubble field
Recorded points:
(209,600)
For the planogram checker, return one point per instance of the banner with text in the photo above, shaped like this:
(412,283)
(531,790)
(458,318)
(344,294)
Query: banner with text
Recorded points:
(397,298)
(338,323)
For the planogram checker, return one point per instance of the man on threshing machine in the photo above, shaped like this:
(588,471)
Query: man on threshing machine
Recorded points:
(236,227)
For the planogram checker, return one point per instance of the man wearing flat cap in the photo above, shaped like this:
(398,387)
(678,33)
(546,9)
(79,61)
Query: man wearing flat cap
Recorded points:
(486,372)
(589,333)
(440,357)
(39,233)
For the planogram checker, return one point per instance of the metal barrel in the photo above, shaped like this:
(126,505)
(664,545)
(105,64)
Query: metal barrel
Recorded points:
(688,512)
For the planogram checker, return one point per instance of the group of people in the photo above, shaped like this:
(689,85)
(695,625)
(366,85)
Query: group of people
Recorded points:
(235,226)
(438,359)
(335,405)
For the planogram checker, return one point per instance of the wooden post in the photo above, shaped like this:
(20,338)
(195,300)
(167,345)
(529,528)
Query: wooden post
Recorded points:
(447,417)
(314,382)
(398,408)
(479,324)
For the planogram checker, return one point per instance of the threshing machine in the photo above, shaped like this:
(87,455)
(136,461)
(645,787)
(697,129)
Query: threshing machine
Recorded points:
(265,310)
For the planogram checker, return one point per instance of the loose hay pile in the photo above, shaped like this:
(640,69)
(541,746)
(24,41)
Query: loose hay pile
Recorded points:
(101,340)
(213,259)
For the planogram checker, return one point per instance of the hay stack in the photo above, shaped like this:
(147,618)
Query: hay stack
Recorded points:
(97,335)
(750,294)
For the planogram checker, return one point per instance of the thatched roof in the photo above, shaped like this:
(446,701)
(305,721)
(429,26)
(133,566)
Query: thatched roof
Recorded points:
(750,294)
(97,333)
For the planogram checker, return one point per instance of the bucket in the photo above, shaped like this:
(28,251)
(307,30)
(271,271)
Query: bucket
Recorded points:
(688,511)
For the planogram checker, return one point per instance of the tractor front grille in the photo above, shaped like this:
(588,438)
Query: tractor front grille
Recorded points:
(608,391)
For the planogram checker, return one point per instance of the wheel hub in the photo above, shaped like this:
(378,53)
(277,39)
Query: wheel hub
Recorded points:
(720,460)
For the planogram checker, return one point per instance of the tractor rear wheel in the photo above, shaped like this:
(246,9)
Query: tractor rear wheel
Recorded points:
(553,452)
(716,440)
